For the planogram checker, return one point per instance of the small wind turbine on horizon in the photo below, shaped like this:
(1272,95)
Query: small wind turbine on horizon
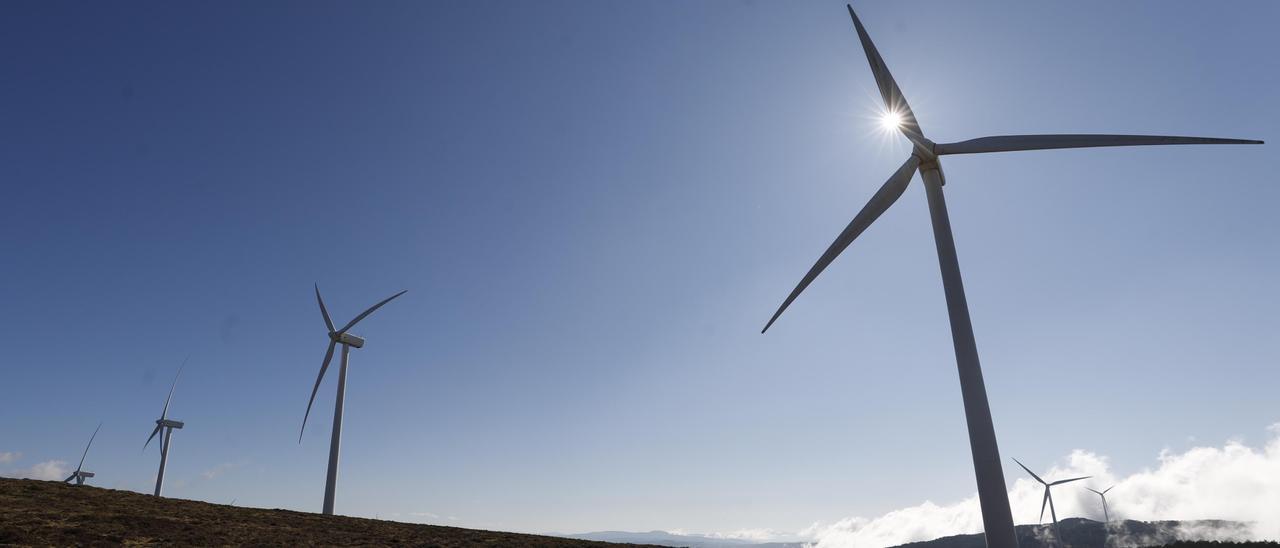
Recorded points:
(347,340)
(1106,513)
(164,423)
(1048,497)
(80,475)
(997,518)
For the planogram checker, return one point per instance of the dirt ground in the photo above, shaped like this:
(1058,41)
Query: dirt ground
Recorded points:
(47,513)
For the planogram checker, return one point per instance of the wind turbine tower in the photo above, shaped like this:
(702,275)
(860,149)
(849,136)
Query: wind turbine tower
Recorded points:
(1106,513)
(1048,498)
(926,159)
(347,340)
(80,475)
(167,425)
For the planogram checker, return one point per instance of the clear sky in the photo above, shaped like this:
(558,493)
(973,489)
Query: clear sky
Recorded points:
(595,207)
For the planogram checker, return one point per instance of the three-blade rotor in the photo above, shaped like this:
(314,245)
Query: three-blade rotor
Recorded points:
(1047,497)
(335,336)
(83,455)
(925,155)
(1102,493)
(164,414)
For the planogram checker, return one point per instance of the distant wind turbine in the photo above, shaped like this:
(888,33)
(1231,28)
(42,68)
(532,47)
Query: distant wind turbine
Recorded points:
(925,158)
(168,426)
(1048,497)
(1106,514)
(80,475)
(347,340)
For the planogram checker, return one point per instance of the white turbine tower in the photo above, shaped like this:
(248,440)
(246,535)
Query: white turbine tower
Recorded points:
(1048,497)
(347,340)
(1106,512)
(80,475)
(164,423)
(925,158)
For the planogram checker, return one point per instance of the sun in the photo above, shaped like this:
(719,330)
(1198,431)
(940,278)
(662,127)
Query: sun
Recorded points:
(891,120)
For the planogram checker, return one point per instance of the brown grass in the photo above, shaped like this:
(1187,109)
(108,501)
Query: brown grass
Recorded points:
(46,513)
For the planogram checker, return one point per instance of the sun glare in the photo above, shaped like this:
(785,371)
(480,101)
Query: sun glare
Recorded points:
(891,120)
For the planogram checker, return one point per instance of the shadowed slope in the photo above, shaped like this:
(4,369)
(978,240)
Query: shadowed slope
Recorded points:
(47,513)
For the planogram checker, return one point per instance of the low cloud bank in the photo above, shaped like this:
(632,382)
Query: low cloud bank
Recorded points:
(48,470)
(1234,482)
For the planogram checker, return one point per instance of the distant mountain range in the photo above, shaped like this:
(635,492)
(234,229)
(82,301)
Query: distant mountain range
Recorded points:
(1086,533)
(1076,532)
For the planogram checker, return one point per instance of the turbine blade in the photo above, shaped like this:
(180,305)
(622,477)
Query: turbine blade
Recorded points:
(1009,143)
(1033,474)
(889,91)
(165,413)
(1094,490)
(86,448)
(364,314)
(323,311)
(69,478)
(1060,482)
(883,198)
(1104,491)
(153,435)
(328,355)
(1044,502)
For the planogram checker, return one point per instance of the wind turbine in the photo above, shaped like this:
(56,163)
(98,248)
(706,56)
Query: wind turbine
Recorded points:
(1106,514)
(80,475)
(167,425)
(1048,497)
(994,500)
(347,340)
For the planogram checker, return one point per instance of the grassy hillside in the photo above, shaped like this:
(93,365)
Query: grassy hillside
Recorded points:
(49,513)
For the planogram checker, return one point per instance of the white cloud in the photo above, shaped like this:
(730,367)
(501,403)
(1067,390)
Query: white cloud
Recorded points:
(219,470)
(422,516)
(750,535)
(1233,482)
(47,470)
(9,457)
(754,535)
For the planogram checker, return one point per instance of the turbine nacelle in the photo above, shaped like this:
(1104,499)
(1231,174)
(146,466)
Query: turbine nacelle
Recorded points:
(162,423)
(347,339)
(78,476)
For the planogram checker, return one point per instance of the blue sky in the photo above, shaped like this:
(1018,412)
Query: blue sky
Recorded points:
(595,206)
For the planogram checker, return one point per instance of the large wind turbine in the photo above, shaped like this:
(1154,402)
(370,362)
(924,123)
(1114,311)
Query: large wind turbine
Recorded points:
(1048,497)
(80,475)
(1106,513)
(994,500)
(347,340)
(168,426)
